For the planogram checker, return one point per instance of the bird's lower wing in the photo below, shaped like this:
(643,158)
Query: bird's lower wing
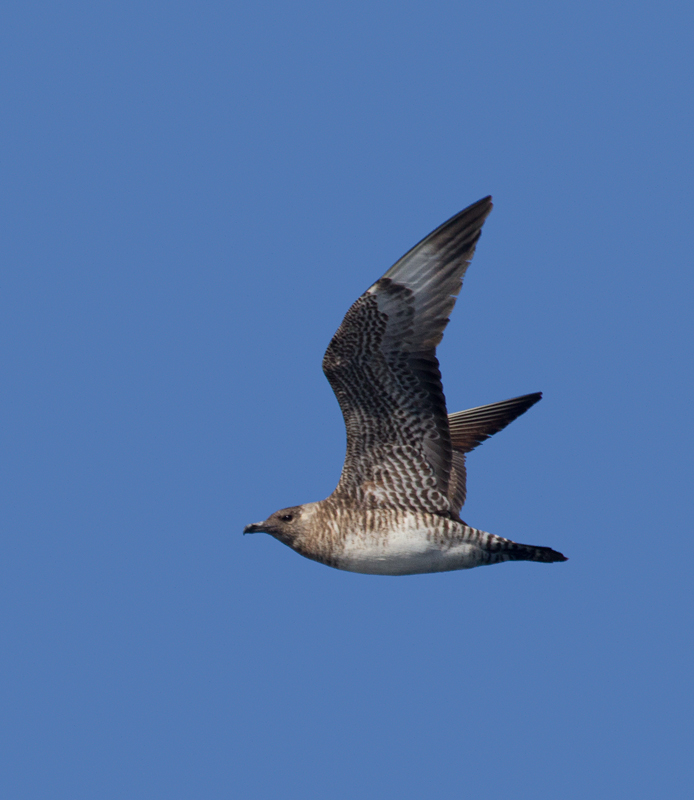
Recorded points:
(470,428)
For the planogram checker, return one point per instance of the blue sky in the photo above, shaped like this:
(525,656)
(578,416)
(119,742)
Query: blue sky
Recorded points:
(193,195)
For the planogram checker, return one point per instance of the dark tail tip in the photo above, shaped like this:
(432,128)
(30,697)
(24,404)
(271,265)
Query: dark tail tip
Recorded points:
(547,555)
(531,552)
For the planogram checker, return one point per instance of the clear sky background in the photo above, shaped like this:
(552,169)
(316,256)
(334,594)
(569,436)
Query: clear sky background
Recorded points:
(193,194)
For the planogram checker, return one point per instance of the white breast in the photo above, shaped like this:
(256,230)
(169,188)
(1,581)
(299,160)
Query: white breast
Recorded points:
(406,549)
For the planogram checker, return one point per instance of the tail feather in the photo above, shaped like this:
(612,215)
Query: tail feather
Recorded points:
(500,549)
(529,552)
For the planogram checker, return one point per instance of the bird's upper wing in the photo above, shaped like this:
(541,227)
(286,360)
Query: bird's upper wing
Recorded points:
(382,366)
(470,428)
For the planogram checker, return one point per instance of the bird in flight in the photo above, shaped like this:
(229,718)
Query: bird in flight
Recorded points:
(396,508)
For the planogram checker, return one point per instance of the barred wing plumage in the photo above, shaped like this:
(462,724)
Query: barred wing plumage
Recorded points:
(382,366)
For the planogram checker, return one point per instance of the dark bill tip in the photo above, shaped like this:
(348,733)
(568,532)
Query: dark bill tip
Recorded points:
(251,528)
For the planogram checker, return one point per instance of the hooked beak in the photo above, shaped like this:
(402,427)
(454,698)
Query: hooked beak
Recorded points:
(256,527)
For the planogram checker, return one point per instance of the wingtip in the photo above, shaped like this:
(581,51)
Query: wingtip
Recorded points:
(533,398)
(484,204)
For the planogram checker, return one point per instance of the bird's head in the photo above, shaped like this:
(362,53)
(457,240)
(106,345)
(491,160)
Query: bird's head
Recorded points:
(287,524)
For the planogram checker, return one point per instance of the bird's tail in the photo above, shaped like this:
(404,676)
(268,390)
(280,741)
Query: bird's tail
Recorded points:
(529,552)
(500,549)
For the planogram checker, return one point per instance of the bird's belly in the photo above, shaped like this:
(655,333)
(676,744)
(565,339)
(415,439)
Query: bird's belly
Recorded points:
(405,552)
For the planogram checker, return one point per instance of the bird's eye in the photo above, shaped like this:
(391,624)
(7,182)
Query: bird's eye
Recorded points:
(287,517)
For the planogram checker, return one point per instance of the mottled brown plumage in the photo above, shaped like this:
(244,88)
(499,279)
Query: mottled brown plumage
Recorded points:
(396,507)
